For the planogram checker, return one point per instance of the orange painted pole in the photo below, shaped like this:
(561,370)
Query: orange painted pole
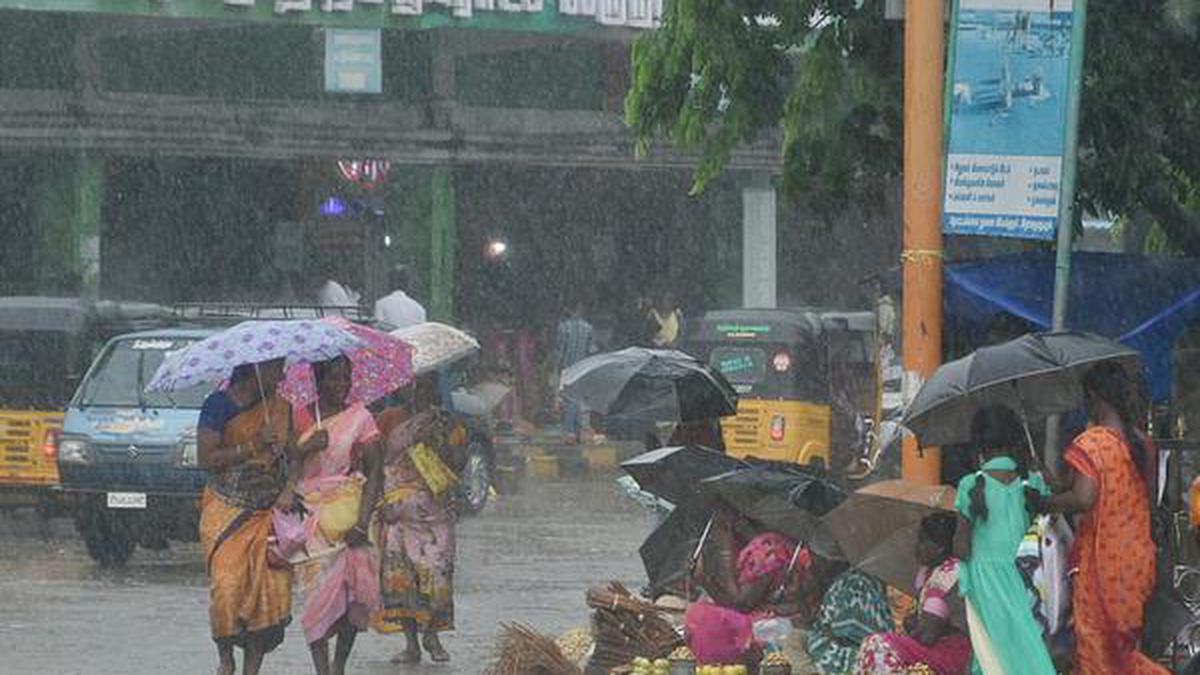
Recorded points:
(924,59)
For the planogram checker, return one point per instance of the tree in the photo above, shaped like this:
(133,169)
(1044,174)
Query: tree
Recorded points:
(827,73)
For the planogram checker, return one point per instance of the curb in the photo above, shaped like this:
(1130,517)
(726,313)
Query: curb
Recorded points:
(536,460)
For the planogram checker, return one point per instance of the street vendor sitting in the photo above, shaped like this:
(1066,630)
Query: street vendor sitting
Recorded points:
(755,584)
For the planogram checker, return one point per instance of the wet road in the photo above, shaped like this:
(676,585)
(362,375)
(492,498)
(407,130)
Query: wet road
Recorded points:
(528,558)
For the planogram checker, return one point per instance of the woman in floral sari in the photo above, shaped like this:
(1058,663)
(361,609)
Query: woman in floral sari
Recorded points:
(243,436)
(1112,467)
(339,483)
(854,607)
(929,640)
(416,535)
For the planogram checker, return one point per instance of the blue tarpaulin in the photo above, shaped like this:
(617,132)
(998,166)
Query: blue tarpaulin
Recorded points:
(1144,302)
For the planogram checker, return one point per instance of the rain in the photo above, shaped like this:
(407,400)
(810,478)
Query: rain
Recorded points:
(578,337)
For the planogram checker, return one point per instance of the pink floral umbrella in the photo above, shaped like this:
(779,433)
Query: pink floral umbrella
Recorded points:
(382,365)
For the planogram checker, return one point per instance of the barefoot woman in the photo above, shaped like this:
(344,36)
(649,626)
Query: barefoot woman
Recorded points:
(339,483)
(242,439)
(417,536)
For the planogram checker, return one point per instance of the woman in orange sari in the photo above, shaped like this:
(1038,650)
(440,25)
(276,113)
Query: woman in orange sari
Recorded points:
(243,437)
(1111,474)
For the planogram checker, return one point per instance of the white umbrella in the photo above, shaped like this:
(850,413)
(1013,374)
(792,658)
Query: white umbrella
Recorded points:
(435,345)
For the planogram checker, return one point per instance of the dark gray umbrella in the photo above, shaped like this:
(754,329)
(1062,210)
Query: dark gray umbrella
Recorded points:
(1036,375)
(675,473)
(650,384)
(782,498)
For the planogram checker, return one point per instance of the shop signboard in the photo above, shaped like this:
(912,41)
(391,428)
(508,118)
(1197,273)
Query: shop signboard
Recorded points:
(353,61)
(1007,124)
(543,16)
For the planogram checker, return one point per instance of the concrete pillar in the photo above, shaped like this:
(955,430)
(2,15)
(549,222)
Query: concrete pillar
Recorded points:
(443,244)
(66,252)
(759,252)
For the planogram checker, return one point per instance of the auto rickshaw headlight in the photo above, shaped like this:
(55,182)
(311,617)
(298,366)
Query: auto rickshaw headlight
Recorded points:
(781,362)
(73,451)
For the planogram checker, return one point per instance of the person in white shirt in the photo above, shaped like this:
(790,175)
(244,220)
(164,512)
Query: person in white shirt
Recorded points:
(398,308)
(333,294)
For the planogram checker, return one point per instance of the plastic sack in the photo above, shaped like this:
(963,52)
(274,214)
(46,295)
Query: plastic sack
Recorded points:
(437,476)
(287,537)
(772,632)
(337,510)
(716,634)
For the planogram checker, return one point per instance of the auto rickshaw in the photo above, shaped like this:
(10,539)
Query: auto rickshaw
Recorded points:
(46,344)
(805,377)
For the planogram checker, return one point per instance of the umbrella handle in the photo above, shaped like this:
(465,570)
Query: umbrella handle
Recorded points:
(700,545)
(262,395)
(1033,454)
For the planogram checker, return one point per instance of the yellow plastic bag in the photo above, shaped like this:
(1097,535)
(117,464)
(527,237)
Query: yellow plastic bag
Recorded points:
(438,477)
(338,510)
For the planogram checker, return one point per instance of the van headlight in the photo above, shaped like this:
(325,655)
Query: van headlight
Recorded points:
(188,451)
(74,451)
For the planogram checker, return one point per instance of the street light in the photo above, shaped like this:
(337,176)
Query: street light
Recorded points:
(495,249)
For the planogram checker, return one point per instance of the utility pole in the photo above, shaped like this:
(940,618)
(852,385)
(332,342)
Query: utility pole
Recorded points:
(1066,204)
(924,80)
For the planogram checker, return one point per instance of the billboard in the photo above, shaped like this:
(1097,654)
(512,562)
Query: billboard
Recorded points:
(1007,125)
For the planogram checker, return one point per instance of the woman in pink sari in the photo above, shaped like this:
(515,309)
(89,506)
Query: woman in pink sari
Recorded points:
(929,639)
(340,481)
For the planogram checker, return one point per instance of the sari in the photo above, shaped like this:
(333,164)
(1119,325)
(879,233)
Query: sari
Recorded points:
(854,607)
(250,599)
(416,534)
(1116,557)
(337,580)
(897,654)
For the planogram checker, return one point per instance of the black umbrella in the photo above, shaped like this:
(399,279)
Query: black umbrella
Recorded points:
(668,553)
(1036,375)
(775,497)
(782,498)
(675,473)
(650,384)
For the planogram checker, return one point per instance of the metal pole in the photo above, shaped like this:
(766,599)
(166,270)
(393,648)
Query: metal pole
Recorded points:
(1066,205)
(924,54)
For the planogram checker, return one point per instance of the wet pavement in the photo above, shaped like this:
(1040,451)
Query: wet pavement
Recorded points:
(528,557)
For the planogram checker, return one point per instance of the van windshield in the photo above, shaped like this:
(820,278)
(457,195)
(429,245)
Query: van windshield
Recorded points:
(125,368)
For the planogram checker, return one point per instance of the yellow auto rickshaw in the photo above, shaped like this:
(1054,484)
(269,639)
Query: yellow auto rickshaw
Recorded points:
(46,344)
(805,379)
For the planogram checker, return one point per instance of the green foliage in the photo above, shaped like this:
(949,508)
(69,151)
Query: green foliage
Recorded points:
(828,74)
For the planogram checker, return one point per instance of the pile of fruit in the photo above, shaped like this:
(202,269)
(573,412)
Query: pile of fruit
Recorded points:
(644,666)
(721,670)
(575,644)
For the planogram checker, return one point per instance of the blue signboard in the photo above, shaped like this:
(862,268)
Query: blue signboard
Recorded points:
(1007,130)
(353,61)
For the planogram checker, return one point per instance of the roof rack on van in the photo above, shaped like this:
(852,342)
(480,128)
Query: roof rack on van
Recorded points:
(218,311)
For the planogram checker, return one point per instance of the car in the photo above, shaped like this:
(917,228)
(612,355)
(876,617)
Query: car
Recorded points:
(127,459)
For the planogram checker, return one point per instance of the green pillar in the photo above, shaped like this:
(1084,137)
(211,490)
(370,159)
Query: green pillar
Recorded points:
(444,237)
(67,202)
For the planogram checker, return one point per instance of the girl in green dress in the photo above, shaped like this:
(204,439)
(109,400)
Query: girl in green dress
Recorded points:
(993,517)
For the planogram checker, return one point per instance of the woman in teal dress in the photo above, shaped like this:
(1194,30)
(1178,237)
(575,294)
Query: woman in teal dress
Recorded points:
(993,519)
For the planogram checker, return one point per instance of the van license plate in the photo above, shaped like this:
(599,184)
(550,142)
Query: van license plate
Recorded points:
(127,500)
